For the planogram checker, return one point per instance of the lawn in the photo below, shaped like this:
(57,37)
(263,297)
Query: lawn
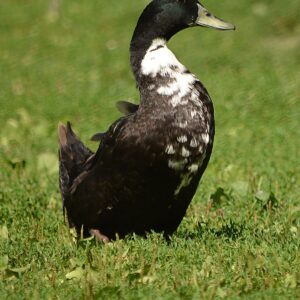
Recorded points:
(68,60)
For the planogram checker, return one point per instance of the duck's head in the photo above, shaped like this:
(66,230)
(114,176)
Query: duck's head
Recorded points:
(164,18)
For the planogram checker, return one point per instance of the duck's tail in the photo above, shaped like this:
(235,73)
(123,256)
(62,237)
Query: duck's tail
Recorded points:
(72,157)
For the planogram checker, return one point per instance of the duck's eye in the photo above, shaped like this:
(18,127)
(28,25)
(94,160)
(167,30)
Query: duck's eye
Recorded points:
(208,14)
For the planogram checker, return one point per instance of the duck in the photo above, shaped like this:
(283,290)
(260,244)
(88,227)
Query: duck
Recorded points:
(150,161)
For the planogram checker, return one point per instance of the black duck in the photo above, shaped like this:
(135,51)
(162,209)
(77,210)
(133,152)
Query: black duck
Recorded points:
(150,161)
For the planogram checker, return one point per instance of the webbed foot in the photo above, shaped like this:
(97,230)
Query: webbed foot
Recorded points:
(99,236)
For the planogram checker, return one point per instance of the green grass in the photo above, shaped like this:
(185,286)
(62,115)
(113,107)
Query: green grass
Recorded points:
(241,236)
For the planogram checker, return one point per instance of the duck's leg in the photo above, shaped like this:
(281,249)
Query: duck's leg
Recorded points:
(99,236)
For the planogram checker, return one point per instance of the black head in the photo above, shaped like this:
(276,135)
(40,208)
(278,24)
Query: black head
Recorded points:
(164,18)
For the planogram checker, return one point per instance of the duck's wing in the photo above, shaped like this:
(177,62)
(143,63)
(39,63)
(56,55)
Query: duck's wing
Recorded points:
(124,107)
(91,192)
(74,159)
(97,137)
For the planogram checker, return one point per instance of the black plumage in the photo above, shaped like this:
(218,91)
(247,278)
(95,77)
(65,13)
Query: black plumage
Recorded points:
(150,161)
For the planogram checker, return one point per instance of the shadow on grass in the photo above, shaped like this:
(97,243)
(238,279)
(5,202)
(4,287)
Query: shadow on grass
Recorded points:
(230,230)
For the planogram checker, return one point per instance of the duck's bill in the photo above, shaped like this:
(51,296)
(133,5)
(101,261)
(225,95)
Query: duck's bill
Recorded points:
(207,19)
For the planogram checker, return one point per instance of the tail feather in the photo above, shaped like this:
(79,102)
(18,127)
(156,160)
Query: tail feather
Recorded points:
(72,157)
(72,150)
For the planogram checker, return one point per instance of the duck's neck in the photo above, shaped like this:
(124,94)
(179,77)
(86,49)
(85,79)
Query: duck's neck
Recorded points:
(154,62)
(138,50)
(161,78)
(146,38)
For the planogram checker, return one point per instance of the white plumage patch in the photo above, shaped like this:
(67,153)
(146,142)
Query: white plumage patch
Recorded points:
(159,59)
(170,149)
(193,168)
(183,124)
(185,152)
(194,143)
(200,149)
(193,113)
(195,98)
(205,138)
(169,89)
(182,139)
(185,82)
(176,100)
(177,165)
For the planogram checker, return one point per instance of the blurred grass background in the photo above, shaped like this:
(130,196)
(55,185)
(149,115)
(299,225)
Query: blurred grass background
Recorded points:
(68,60)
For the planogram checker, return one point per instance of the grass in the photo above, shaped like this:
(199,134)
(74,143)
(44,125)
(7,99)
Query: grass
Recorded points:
(68,60)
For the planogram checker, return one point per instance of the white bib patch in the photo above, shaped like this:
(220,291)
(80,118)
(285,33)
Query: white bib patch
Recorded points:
(159,60)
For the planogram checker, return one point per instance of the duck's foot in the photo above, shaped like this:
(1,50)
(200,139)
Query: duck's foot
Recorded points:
(99,236)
